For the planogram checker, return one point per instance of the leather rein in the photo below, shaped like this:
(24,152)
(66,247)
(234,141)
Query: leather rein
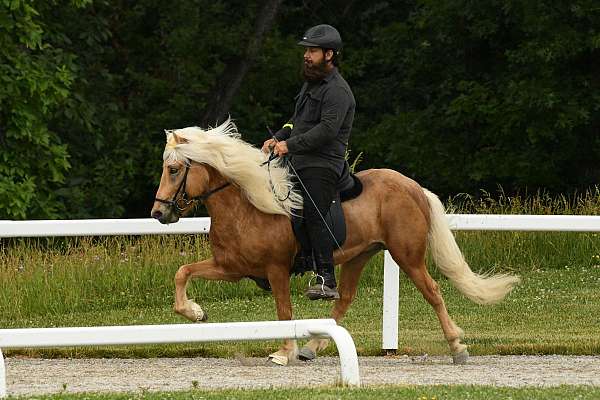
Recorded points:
(174,202)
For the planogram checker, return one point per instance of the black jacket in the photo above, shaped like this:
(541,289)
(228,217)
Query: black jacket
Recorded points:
(322,123)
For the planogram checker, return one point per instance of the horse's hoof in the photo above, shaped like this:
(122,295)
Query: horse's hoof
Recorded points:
(198,312)
(278,359)
(202,318)
(460,358)
(306,354)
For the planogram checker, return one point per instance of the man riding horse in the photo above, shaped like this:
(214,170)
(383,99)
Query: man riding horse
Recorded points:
(315,140)
(251,206)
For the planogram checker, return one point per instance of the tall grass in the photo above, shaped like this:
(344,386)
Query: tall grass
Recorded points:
(45,277)
(59,276)
(516,251)
(541,203)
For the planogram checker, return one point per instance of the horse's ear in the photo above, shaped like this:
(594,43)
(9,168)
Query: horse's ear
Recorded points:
(179,139)
(173,139)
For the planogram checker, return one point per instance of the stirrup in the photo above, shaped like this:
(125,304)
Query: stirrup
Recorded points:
(320,291)
(316,276)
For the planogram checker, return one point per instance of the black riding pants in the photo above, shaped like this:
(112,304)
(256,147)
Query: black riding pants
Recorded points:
(320,183)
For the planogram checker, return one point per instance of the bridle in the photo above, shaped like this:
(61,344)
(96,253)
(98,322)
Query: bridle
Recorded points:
(174,202)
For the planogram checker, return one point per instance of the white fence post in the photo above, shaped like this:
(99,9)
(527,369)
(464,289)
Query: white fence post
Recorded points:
(391,296)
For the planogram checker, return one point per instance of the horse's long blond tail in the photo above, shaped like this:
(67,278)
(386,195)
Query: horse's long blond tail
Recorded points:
(482,289)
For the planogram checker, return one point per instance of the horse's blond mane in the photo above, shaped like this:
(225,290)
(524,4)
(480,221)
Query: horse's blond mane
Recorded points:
(223,149)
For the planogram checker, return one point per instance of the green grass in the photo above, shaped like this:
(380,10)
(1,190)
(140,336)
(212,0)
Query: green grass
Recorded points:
(375,393)
(129,280)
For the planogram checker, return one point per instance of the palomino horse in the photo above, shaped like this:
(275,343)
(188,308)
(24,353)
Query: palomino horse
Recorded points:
(251,235)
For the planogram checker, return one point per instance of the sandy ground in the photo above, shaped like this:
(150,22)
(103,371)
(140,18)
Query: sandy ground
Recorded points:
(27,376)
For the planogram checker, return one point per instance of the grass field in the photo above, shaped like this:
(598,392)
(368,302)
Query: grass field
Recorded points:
(129,280)
(396,392)
(554,311)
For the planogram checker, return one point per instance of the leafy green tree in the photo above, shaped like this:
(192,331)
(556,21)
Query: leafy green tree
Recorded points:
(144,67)
(37,78)
(460,95)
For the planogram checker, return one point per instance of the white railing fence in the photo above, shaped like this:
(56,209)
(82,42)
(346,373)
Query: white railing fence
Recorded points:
(148,226)
(185,333)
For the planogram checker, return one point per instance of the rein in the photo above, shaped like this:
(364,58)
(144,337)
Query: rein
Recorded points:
(174,202)
(272,156)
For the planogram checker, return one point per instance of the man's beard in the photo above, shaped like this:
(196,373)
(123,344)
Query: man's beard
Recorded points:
(314,72)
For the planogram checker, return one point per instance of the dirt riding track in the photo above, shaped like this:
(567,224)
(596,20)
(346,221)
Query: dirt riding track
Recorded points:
(26,376)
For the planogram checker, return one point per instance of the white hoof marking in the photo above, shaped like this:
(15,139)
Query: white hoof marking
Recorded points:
(197,311)
(278,359)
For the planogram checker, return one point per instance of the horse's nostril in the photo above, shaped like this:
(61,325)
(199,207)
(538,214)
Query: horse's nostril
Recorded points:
(157,214)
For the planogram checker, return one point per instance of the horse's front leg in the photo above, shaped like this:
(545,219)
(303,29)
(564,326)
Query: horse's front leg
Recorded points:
(207,269)
(279,279)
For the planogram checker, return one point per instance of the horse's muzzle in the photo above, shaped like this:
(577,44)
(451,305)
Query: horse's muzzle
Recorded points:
(164,216)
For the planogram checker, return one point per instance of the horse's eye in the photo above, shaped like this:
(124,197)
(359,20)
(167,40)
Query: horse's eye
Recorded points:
(173,170)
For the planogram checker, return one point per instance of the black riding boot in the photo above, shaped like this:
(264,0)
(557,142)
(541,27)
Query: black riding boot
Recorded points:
(303,263)
(318,190)
(325,286)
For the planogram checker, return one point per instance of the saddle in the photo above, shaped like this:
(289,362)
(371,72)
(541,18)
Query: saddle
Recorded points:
(348,188)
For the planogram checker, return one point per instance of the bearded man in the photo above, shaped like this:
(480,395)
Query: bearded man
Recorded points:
(316,139)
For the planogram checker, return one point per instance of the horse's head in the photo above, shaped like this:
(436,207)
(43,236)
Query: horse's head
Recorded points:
(181,182)
(199,163)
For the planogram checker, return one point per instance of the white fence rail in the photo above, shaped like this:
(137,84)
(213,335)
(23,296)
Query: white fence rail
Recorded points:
(147,226)
(538,223)
(101,227)
(185,333)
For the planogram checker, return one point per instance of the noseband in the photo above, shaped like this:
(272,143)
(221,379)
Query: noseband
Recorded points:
(174,202)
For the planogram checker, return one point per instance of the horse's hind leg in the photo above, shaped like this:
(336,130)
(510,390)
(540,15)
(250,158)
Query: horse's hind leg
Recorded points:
(349,277)
(417,272)
(207,269)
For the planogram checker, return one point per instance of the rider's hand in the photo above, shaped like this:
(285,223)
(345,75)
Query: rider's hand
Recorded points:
(280,148)
(268,144)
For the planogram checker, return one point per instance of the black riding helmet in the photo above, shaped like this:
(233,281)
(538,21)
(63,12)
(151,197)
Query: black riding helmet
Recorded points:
(324,36)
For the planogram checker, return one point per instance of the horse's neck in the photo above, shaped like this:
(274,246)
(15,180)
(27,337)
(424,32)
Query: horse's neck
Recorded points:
(227,206)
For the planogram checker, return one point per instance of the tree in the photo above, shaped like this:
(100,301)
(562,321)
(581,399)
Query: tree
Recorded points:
(227,86)
(37,78)
(466,96)
(459,95)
